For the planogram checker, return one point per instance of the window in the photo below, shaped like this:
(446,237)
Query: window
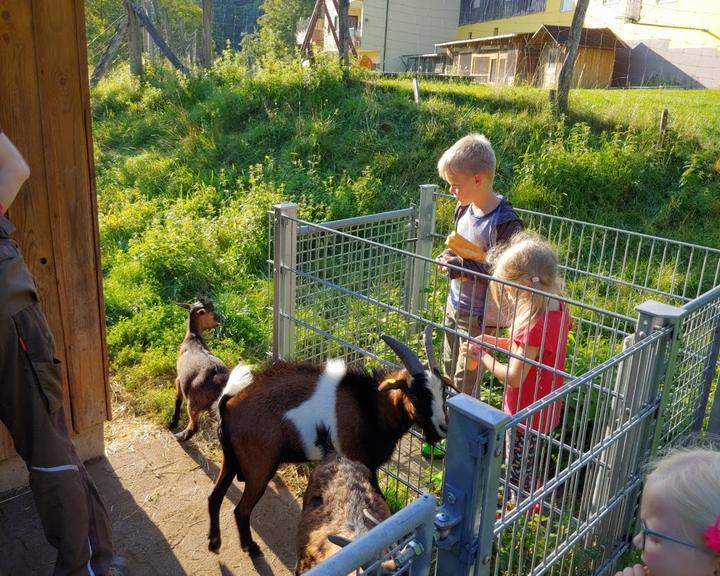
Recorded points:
(353,22)
(481,67)
(464,61)
(567,5)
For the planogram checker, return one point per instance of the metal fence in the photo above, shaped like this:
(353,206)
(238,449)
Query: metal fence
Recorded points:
(641,361)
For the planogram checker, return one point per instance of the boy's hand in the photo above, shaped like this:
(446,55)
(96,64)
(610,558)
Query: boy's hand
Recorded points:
(448,257)
(442,258)
(637,570)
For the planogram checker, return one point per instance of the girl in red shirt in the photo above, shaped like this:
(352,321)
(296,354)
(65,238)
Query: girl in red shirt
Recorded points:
(538,333)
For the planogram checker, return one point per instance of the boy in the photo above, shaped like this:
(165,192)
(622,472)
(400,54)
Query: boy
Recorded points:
(485,219)
(73,516)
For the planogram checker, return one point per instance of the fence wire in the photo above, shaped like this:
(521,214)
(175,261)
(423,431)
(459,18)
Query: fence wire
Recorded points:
(567,495)
(567,506)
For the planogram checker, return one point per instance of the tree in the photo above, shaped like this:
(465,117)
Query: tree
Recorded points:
(566,73)
(278,25)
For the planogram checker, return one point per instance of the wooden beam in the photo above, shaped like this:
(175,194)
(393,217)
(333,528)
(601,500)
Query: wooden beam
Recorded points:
(344,11)
(110,52)
(157,37)
(134,41)
(206,40)
(332,27)
(306,47)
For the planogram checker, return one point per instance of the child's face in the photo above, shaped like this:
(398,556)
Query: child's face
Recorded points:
(664,557)
(468,188)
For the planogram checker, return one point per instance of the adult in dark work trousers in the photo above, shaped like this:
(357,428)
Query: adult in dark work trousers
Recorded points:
(73,516)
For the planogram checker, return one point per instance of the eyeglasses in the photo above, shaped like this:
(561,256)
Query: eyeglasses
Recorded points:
(645,531)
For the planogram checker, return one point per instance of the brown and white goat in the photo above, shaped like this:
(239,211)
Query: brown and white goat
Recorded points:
(200,375)
(280,414)
(340,502)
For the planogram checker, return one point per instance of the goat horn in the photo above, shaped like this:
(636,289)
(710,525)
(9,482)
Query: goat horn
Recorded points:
(370,517)
(428,341)
(339,540)
(407,356)
(183,305)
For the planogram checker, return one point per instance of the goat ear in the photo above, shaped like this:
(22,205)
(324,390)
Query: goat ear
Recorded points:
(392,384)
(183,305)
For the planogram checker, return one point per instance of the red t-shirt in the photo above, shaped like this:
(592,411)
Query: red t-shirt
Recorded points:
(549,332)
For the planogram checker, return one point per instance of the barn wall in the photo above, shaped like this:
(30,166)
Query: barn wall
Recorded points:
(45,111)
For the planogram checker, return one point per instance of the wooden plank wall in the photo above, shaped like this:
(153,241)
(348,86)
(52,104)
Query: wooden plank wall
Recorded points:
(45,109)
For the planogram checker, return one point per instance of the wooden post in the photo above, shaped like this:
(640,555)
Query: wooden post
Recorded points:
(663,124)
(306,48)
(152,12)
(343,33)
(205,55)
(157,38)
(416,89)
(571,48)
(134,41)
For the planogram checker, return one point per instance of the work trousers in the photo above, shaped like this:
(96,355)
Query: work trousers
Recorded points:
(73,516)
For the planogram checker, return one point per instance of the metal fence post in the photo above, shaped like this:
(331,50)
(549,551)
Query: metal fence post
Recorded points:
(624,459)
(651,316)
(708,377)
(284,259)
(714,419)
(423,247)
(470,489)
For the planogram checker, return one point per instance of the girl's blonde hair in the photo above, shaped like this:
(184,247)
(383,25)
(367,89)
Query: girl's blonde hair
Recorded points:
(528,260)
(688,481)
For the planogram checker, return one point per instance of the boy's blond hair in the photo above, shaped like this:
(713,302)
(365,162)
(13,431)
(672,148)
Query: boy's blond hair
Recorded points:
(688,481)
(472,154)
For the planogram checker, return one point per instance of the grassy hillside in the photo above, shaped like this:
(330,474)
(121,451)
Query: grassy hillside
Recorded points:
(187,169)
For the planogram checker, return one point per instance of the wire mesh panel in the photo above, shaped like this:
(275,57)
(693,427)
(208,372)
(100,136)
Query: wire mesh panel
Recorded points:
(616,269)
(574,446)
(567,494)
(694,371)
(350,287)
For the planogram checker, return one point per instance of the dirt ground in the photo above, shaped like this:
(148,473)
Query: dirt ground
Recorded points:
(156,491)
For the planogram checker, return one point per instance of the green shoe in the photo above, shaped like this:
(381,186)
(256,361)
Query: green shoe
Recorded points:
(437,451)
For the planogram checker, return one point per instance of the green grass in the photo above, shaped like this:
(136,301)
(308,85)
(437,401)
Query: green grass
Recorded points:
(188,167)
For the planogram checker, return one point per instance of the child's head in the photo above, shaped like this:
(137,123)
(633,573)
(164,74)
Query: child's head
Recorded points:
(530,261)
(681,500)
(469,167)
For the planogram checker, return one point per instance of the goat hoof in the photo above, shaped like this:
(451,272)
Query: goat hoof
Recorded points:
(182,436)
(172,424)
(253,550)
(214,544)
